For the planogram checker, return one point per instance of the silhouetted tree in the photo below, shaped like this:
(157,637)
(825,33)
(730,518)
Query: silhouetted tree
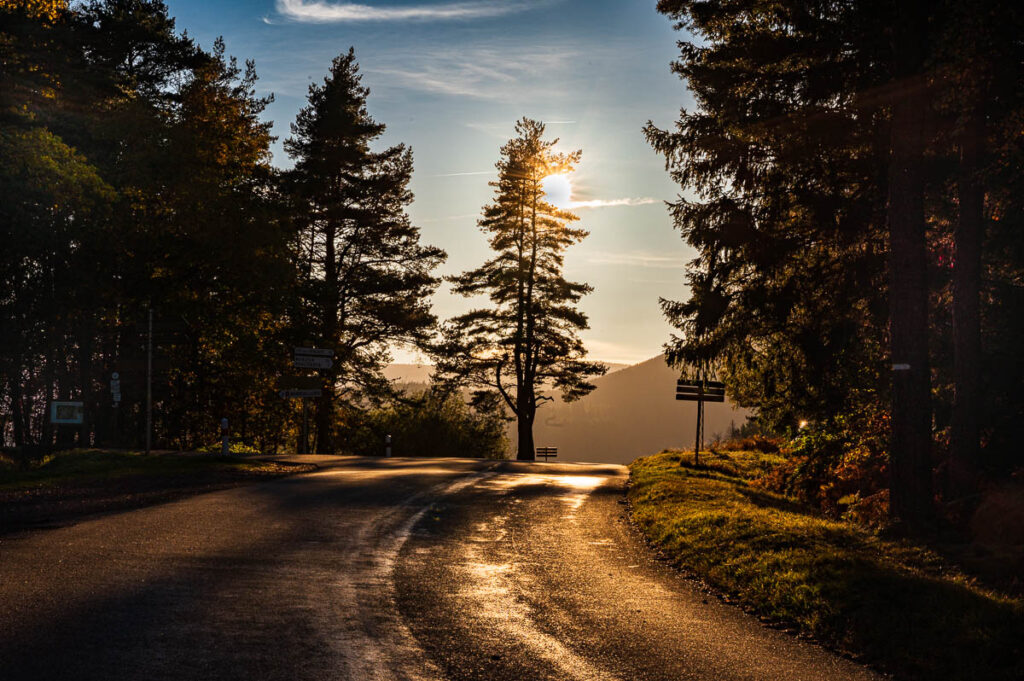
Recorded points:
(366,278)
(831,151)
(528,338)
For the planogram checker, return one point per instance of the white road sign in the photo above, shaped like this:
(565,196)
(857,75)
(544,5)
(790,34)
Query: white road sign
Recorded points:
(310,362)
(314,352)
(295,393)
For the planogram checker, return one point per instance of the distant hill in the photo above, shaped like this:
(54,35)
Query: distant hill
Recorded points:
(420,373)
(631,413)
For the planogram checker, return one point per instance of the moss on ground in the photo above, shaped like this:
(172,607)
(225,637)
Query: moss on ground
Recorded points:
(889,602)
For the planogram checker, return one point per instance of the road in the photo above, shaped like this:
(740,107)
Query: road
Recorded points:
(379,569)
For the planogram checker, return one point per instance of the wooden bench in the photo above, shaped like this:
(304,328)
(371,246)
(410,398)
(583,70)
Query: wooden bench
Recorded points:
(547,452)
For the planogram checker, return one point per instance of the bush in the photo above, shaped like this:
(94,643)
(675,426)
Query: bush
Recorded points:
(233,448)
(425,425)
(838,469)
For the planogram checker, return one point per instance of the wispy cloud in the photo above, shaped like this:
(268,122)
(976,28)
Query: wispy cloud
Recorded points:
(608,203)
(490,72)
(639,259)
(319,11)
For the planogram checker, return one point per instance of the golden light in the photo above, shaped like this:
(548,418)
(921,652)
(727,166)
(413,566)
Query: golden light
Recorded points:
(557,190)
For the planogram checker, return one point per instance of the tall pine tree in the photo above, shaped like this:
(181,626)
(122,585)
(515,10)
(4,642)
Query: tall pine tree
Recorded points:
(366,277)
(528,338)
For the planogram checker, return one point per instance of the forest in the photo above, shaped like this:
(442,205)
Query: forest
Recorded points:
(856,174)
(850,183)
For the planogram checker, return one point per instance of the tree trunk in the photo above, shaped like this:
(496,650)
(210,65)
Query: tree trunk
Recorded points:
(17,410)
(525,450)
(968,236)
(910,454)
(92,407)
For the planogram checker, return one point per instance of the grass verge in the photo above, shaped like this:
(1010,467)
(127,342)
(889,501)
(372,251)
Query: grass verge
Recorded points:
(889,603)
(80,482)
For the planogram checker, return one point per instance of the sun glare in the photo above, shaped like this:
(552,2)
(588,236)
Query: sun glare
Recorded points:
(557,190)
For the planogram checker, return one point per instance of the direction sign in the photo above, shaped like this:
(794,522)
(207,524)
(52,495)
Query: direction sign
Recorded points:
(702,391)
(67,412)
(296,393)
(314,352)
(312,362)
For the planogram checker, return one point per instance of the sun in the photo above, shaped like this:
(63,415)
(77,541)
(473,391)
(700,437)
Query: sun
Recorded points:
(558,190)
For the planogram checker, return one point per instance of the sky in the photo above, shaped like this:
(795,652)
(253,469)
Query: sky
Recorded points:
(450,78)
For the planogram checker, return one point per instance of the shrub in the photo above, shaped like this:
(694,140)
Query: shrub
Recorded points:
(426,425)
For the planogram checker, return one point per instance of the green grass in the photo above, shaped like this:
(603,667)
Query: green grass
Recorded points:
(891,603)
(84,465)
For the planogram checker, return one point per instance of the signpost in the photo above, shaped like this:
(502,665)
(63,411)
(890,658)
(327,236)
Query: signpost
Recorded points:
(295,393)
(302,387)
(313,358)
(699,391)
(67,413)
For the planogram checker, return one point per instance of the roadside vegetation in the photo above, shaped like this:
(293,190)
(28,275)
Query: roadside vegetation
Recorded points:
(890,603)
(426,424)
(78,482)
(81,465)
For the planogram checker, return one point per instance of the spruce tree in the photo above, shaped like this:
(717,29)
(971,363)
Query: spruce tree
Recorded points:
(527,339)
(366,278)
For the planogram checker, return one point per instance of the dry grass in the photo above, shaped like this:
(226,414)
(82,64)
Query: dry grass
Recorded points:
(892,603)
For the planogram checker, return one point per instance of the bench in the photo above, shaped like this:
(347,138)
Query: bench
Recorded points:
(547,452)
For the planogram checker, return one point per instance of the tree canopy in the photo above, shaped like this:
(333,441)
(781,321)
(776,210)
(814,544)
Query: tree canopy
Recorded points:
(832,150)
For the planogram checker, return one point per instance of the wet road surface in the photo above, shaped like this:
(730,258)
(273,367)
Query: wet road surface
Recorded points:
(378,569)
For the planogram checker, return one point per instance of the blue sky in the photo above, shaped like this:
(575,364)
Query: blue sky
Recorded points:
(450,78)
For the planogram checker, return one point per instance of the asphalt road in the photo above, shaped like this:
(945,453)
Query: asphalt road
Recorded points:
(379,569)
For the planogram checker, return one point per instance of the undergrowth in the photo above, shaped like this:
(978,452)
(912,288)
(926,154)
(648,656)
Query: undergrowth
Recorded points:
(892,603)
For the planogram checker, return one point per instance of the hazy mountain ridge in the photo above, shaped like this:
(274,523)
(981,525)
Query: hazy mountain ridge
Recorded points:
(632,412)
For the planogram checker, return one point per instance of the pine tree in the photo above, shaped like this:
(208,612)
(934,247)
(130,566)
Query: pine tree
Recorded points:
(528,338)
(367,279)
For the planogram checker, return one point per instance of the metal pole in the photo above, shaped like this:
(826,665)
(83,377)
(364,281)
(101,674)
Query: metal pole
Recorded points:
(225,446)
(700,422)
(149,383)
(305,426)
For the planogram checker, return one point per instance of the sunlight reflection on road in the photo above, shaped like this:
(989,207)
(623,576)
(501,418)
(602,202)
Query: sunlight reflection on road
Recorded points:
(490,588)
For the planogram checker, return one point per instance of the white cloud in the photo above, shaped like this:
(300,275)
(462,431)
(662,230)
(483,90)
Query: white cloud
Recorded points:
(503,72)
(319,11)
(607,203)
(639,259)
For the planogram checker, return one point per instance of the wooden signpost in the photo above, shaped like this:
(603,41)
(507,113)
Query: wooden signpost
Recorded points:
(700,392)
